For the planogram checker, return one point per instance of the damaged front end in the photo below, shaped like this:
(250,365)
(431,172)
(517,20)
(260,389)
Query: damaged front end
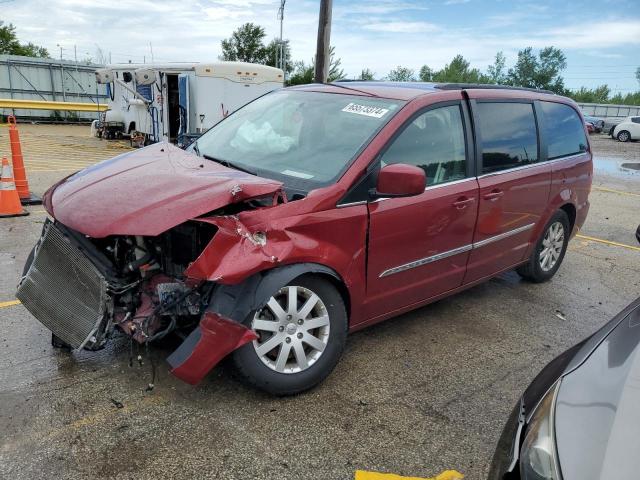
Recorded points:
(82,289)
(119,252)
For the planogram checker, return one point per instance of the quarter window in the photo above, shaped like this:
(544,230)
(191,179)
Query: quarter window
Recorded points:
(435,142)
(509,135)
(564,132)
(635,119)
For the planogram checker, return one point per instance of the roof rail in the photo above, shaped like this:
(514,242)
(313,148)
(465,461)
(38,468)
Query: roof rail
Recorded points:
(485,86)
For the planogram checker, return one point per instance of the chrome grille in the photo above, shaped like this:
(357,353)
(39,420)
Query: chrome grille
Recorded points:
(63,289)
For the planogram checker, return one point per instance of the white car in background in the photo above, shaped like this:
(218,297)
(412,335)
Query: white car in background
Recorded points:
(628,129)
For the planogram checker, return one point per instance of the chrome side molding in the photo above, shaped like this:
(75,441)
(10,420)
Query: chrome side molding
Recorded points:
(455,251)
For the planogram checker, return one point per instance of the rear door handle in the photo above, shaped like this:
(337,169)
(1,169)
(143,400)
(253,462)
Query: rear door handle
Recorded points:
(493,195)
(462,202)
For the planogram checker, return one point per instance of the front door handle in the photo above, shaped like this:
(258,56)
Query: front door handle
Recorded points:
(462,202)
(493,195)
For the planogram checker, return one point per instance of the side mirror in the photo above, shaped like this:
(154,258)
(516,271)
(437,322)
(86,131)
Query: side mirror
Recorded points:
(400,180)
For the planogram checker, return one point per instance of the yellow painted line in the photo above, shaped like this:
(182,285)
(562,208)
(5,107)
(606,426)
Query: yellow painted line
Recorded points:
(10,303)
(608,242)
(619,192)
(46,105)
(446,475)
(46,164)
(72,169)
(39,212)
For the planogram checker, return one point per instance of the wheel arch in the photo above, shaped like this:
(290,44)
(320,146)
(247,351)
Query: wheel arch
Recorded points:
(238,300)
(570,210)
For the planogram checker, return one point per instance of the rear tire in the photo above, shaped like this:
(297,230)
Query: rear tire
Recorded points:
(286,326)
(549,250)
(624,136)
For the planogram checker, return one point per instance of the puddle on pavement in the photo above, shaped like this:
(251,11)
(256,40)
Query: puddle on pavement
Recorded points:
(616,166)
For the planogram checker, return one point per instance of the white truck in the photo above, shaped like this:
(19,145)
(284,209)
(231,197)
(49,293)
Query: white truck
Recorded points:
(173,101)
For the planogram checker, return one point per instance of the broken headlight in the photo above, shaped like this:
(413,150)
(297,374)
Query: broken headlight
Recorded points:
(538,457)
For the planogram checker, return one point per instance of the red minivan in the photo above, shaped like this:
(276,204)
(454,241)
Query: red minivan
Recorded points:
(309,213)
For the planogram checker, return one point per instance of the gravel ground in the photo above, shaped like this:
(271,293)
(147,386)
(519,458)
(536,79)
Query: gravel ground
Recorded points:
(418,394)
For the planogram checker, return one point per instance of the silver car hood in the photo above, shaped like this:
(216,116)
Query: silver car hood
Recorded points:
(598,409)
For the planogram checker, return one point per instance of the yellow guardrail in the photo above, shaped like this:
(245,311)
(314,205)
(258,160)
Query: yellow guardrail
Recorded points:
(45,105)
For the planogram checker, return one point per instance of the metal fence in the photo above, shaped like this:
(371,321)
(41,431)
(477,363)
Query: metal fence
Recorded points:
(50,80)
(604,110)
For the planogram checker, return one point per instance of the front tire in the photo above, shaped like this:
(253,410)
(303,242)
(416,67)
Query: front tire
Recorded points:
(301,331)
(549,250)
(624,136)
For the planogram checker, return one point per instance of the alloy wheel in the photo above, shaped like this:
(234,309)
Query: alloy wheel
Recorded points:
(552,245)
(293,330)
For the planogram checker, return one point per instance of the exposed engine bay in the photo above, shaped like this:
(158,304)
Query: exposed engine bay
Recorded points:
(143,290)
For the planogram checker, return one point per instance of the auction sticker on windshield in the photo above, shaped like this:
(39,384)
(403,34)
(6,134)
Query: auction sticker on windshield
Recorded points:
(367,110)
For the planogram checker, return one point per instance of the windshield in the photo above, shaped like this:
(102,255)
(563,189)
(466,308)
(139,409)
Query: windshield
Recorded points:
(304,139)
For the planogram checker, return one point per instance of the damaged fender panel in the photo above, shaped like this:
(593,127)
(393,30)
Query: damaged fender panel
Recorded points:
(217,336)
(213,340)
(245,245)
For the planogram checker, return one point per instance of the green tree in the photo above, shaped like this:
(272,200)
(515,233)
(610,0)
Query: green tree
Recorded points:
(245,45)
(587,95)
(542,71)
(303,73)
(366,74)
(272,53)
(638,74)
(10,45)
(401,74)
(496,72)
(426,74)
(459,71)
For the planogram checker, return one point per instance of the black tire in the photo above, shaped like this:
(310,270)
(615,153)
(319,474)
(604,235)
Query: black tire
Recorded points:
(623,136)
(257,374)
(533,270)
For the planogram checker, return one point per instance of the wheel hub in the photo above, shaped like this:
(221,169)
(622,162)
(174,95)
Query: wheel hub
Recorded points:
(292,328)
(552,245)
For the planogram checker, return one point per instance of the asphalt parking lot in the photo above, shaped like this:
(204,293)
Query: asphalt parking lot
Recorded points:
(424,392)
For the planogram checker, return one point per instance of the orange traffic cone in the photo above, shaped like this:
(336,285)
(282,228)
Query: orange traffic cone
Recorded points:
(22,185)
(9,198)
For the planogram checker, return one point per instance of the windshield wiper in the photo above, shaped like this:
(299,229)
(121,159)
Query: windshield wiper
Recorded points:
(228,164)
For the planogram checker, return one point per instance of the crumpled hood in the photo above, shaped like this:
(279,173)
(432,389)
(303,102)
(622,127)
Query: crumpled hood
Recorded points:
(597,409)
(149,191)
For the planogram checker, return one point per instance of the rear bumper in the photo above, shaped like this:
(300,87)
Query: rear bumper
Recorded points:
(214,339)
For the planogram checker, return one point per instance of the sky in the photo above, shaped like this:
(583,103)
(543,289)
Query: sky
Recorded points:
(601,39)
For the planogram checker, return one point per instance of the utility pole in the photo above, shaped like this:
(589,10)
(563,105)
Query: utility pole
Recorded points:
(324,37)
(280,61)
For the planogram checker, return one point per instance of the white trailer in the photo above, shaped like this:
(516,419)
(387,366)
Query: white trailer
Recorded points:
(168,101)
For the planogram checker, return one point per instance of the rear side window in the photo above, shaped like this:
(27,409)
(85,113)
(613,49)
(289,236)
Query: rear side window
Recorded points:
(435,142)
(564,132)
(635,119)
(509,135)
